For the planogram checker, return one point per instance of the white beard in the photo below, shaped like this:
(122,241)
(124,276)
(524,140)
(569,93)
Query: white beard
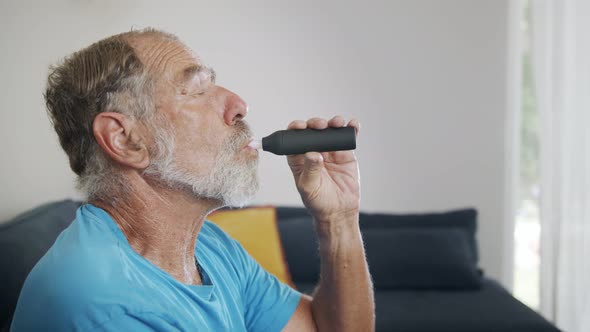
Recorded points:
(230,181)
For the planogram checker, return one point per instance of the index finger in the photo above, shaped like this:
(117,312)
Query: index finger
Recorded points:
(297,124)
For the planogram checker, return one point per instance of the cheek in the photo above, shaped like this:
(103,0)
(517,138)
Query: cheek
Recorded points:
(199,146)
(200,131)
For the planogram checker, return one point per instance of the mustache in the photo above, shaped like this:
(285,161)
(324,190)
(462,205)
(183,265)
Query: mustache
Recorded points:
(240,137)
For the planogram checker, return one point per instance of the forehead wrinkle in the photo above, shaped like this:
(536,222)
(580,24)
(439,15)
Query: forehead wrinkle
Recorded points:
(165,60)
(159,56)
(152,53)
(166,57)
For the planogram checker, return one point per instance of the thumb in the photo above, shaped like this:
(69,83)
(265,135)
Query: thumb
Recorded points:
(314,162)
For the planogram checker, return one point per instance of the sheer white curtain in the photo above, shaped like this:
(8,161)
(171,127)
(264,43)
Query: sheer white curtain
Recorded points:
(561,60)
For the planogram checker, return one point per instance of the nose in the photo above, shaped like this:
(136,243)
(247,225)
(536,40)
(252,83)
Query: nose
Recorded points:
(235,108)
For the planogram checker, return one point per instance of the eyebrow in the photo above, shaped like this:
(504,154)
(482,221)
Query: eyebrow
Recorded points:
(189,72)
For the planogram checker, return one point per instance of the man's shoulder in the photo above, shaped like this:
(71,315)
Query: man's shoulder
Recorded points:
(81,269)
(73,257)
(83,260)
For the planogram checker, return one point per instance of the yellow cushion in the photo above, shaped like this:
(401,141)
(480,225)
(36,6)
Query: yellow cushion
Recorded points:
(257,231)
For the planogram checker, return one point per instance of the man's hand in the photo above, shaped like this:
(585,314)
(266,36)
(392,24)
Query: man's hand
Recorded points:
(328,182)
(329,186)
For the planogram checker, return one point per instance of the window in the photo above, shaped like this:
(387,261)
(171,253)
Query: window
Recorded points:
(527,231)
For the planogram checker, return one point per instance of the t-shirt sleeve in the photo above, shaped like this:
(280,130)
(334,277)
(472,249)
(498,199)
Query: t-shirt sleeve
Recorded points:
(268,303)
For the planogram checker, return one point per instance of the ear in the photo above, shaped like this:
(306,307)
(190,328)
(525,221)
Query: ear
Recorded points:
(122,139)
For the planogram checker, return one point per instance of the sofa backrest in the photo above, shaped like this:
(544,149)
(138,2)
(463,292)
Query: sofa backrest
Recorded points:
(23,241)
(301,247)
(464,220)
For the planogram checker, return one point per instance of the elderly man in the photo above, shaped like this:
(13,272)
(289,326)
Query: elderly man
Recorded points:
(157,146)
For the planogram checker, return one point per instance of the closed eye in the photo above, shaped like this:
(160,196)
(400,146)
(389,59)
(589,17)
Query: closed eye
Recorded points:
(184,92)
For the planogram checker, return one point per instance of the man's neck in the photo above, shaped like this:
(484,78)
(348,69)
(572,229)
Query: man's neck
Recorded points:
(162,226)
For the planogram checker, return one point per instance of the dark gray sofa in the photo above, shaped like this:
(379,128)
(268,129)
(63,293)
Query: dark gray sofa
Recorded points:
(424,267)
(419,266)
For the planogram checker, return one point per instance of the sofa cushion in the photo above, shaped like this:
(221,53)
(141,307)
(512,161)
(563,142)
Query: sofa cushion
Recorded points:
(306,287)
(489,309)
(426,258)
(255,228)
(301,248)
(463,219)
(291,212)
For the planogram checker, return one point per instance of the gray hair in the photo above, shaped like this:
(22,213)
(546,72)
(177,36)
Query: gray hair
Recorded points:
(107,76)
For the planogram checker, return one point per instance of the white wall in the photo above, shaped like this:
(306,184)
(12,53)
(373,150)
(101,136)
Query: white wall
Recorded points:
(426,78)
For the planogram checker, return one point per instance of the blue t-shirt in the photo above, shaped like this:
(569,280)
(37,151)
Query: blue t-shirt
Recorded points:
(91,279)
